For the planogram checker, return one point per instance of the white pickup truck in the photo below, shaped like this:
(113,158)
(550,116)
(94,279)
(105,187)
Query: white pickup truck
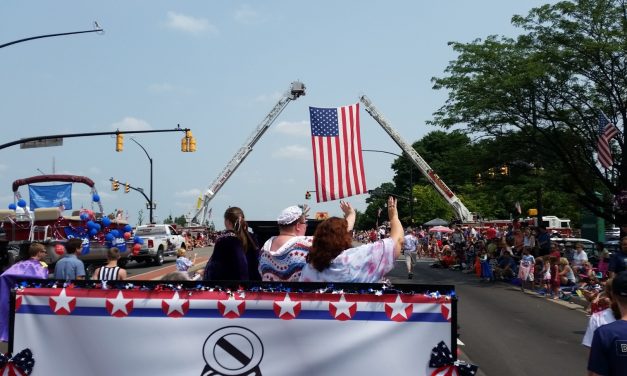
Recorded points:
(159,241)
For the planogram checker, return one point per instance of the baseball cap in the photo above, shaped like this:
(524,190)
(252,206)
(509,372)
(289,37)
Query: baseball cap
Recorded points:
(619,285)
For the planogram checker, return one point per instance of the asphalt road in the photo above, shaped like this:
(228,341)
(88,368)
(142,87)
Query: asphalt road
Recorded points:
(507,332)
(147,271)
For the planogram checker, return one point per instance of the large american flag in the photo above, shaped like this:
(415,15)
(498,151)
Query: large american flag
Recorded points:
(336,144)
(607,131)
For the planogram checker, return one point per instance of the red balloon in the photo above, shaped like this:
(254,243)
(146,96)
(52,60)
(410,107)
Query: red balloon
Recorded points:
(127,235)
(59,249)
(136,248)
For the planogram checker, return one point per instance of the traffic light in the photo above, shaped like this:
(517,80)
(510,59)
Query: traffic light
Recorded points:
(127,188)
(505,170)
(115,185)
(119,142)
(307,195)
(188,143)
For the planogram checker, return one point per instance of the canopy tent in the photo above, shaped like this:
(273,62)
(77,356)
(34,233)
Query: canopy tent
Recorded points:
(436,222)
(440,229)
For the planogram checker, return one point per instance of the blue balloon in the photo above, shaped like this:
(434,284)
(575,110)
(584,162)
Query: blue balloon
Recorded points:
(137,239)
(95,197)
(84,216)
(106,221)
(12,206)
(128,228)
(91,224)
(21,203)
(93,232)
(115,233)
(109,237)
(97,226)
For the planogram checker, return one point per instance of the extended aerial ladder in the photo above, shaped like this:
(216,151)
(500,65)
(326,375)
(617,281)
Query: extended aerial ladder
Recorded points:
(297,89)
(461,212)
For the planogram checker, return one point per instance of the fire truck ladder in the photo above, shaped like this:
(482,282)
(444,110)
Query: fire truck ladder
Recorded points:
(461,212)
(297,89)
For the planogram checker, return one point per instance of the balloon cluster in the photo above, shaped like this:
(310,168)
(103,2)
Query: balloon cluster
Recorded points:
(21,203)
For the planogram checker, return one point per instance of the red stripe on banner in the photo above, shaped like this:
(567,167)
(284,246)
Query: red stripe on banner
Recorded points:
(361,188)
(329,155)
(222,295)
(348,147)
(316,173)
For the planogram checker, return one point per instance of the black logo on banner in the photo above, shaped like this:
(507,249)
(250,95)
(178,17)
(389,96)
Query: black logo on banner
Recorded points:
(232,351)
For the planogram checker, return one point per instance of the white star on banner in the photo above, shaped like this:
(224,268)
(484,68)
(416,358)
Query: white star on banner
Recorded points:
(175,304)
(287,305)
(342,307)
(62,301)
(119,304)
(398,307)
(231,305)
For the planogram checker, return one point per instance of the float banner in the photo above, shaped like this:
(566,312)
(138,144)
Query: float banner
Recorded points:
(50,196)
(206,331)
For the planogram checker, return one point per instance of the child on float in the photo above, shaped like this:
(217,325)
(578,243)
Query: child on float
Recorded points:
(526,269)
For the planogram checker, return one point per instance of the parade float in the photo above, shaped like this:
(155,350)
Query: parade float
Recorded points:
(49,218)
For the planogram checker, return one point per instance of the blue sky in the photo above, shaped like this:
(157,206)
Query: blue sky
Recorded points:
(218,67)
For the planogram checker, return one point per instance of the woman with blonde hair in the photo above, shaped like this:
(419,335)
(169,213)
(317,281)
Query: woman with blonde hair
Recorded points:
(567,276)
(236,253)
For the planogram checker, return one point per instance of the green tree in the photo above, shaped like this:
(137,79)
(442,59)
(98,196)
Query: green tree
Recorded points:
(548,86)
(430,204)
(169,220)
(181,221)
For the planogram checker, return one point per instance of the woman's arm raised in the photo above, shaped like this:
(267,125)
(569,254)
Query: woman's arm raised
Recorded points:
(396,229)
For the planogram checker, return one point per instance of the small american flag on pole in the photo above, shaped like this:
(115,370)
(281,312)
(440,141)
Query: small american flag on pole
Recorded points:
(607,131)
(336,145)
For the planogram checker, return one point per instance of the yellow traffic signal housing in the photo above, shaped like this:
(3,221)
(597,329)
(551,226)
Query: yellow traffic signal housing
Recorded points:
(505,170)
(127,188)
(115,185)
(532,212)
(192,144)
(184,146)
(119,142)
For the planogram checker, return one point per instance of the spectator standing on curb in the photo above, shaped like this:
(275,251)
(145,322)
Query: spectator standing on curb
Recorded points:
(410,244)
(608,351)
(543,241)
(618,261)
(70,267)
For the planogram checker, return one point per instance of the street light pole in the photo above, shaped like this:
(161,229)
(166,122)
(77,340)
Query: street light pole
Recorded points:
(151,204)
(97,29)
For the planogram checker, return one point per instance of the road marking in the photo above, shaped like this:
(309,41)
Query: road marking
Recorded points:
(158,273)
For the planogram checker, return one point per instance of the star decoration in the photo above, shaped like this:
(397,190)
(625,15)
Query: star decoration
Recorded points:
(119,307)
(398,311)
(287,308)
(175,307)
(230,308)
(342,310)
(62,304)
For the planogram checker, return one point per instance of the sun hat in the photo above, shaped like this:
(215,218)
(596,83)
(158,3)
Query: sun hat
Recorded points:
(291,214)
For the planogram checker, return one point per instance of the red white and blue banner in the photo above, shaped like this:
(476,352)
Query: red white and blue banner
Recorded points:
(170,331)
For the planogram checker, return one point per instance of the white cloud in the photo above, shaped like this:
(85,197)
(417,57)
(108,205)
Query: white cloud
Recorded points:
(245,14)
(293,152)
(194,192)
(160,88)
(131,124)
(274,97)
(190,24)
(294,128)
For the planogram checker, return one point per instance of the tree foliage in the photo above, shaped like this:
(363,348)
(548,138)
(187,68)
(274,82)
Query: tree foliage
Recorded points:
(546,89)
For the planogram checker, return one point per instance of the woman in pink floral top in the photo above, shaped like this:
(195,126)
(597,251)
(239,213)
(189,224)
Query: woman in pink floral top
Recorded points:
(331,258)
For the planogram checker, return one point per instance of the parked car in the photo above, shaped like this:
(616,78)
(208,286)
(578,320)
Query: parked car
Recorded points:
(588,245)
